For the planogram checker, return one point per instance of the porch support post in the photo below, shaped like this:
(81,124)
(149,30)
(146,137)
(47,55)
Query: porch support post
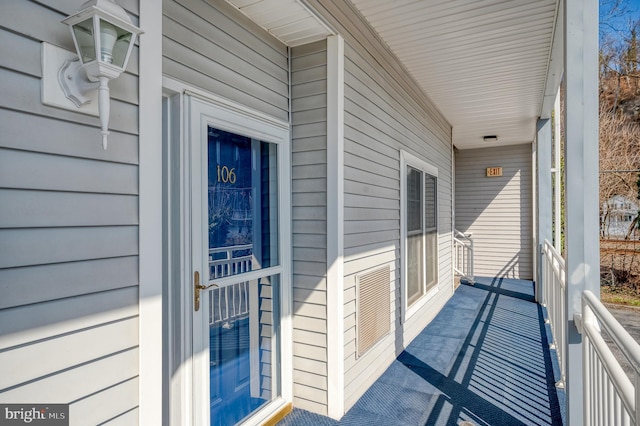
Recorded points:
(335,226)
(152,408)
(581,200)
(544,196)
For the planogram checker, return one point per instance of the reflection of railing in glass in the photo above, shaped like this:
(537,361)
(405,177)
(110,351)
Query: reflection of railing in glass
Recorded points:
(232,301)
(228,303)
(231,260)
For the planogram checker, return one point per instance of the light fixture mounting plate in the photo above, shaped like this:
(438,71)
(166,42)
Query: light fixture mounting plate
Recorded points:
(53,59)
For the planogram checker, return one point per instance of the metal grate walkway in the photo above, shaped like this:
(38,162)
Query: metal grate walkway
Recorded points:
(484,359)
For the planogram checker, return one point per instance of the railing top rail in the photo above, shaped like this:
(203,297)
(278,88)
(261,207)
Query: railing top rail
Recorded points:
(550,249)
(462,235)
(629,347)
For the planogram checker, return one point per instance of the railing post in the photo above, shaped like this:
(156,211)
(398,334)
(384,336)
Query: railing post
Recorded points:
(544,197)
(471,273)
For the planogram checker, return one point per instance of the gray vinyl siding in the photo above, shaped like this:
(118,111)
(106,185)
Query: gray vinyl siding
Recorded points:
(385,113)
(309,198)
(497,210)
(68,232)
(380,121)
(212,46)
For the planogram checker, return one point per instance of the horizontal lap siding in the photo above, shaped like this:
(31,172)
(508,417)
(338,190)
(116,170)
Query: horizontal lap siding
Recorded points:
(384,113)
(497,210)
(309,185)
(68,232)
(212,46)
(381,119)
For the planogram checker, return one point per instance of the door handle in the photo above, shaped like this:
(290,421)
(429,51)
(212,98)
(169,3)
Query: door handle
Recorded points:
(196,290)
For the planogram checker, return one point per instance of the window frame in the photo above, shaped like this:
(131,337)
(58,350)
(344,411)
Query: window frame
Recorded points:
(408,160)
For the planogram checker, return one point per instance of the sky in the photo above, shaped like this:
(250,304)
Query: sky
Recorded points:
(621,22)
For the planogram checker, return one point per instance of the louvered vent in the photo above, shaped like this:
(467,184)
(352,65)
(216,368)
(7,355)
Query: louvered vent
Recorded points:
(373,311)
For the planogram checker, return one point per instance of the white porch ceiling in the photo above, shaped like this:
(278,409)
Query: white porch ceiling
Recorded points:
(486,64)
(483,63)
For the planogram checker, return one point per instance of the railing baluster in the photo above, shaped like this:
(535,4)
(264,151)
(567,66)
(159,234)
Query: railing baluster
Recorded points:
(610,398)
(598,392)
(637,391)
(593,392)
(586,368)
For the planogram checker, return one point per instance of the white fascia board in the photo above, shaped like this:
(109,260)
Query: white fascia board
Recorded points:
(555,66)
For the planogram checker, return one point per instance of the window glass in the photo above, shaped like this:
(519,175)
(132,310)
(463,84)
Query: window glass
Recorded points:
(422,233)
(414,199)
(431,232)
(415,246)
(430,201)
(431,239)
(415,268)
(243,204)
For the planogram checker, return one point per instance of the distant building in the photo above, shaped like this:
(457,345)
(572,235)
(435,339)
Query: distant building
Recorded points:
(616,217)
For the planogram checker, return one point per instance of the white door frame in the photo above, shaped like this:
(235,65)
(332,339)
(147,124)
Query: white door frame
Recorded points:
(239,119)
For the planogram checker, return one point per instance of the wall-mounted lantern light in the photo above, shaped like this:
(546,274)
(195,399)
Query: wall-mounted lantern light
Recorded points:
(103,35)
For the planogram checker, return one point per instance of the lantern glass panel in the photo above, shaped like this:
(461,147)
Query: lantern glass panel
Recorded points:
(114,43)
(83,33)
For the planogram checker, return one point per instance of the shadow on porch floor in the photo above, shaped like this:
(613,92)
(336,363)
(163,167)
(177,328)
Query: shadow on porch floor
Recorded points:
(484,359)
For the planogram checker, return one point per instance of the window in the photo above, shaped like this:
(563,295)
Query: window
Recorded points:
(420,228)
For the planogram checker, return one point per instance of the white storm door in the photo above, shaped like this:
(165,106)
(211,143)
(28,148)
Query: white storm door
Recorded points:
(240,231)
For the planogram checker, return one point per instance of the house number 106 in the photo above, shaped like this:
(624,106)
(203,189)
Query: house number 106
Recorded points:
(226,175)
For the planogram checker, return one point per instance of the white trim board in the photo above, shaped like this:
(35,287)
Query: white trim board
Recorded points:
(335,226)
(150,394)
(410,159)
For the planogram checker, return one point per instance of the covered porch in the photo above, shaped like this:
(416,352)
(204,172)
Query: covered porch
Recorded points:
(484,359)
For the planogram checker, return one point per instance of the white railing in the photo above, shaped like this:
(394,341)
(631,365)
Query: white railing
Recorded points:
(610,398)
(553,298)
(225,261)
(463,255)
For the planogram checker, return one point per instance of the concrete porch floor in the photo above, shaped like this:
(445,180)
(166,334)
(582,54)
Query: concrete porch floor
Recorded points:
(484,359)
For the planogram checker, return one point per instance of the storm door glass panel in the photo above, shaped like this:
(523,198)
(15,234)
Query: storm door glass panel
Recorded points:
(431,230)
(243,348)
(243,204)
(415,241)
(242,314)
